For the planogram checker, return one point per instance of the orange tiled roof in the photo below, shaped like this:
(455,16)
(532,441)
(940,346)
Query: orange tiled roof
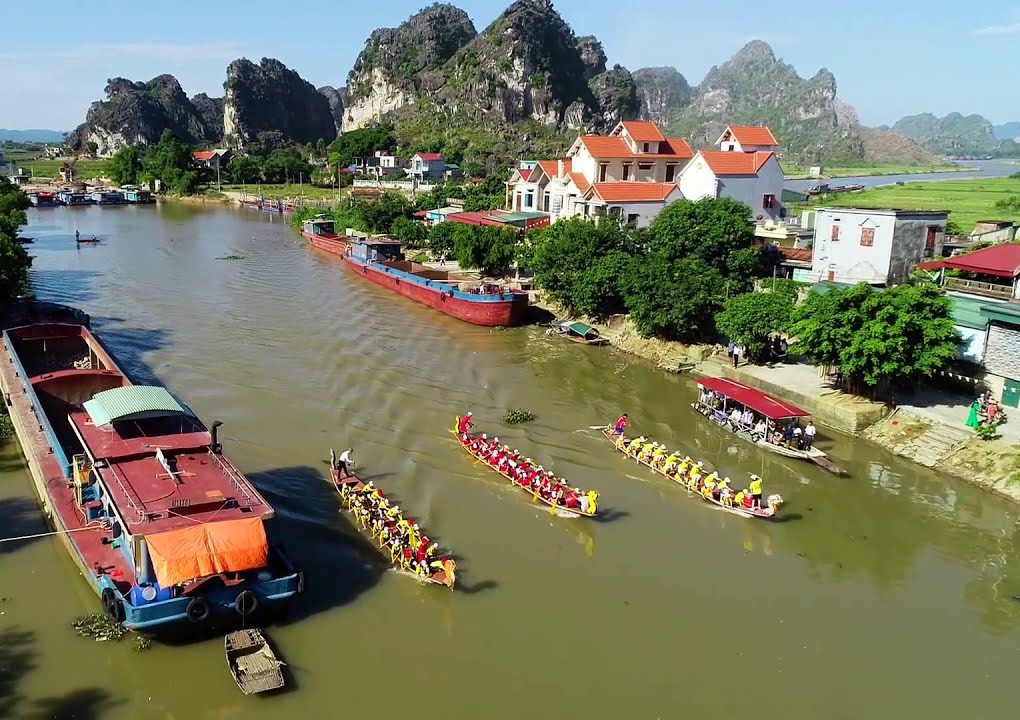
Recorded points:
(643,131)
(600,146)
(551,167)
(580,181)
(524,173)
(680,147)
(633,191)
(753,135)
(204,154)
(796,254)
(734,163)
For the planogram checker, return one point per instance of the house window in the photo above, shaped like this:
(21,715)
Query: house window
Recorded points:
(867,237)
(644,166)
(644,148)
(603,169)
(929,238)
(768,201)
(835,233)
(632,219)
(545,202)
(529,200)
(731,146)
(670,173)
(626,171)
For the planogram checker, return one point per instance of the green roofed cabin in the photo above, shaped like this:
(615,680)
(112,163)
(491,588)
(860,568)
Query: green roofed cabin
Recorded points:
(135,402)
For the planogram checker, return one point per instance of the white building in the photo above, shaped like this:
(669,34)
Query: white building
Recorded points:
(427,166)
(753,178)
(747,138)
(630,174)
(879,247)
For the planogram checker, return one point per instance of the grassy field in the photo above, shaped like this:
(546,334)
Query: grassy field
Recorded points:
(968,201)
(50,168)
(867,170)
(285,191)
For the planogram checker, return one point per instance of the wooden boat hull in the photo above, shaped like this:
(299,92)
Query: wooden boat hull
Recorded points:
(353,482)
(762,514)
(251,662)
(560,509)
(813,455)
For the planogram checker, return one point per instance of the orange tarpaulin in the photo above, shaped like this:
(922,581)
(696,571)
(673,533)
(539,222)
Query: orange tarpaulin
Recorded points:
(195,552)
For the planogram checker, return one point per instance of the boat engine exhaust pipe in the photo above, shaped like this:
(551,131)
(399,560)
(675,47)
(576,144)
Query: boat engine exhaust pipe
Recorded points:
(216,447)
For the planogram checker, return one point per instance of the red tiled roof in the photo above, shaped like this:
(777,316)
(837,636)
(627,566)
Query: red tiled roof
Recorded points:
(525,174)
(996,260)
(600,146)
(633,191)
(680,148)
(643,131)
(753,135)
(580,181)
(204,154)
(430,156)
(734,163)
(796,254)
(551,167)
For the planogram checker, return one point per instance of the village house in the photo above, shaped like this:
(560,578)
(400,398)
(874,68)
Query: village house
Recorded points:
(380,164)
(213,159)
(878,247)
(745,168)
(427,166)
(629,174)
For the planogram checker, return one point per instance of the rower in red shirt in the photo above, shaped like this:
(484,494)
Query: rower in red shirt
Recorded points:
(465,423)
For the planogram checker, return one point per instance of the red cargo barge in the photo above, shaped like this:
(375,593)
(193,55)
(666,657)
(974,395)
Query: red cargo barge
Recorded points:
(382,262)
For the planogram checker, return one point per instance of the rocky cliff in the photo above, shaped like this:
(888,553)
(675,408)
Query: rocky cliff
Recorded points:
(211,111)
(400,64)
(336,105)
(662,93)
(955,134)
(270,104)
(138,112)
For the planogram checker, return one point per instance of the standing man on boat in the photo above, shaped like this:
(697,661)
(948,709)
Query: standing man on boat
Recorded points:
(809,435)
(755,488)
(344,463)
(465,423)
(621,425)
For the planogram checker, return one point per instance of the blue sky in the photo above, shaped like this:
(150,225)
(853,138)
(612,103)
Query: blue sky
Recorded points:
(890,58)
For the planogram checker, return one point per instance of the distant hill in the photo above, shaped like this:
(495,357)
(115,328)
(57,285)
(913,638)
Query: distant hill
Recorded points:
(25,136)
(955,134)
(1007,131)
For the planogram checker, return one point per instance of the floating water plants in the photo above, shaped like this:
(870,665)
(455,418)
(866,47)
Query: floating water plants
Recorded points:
(514,416)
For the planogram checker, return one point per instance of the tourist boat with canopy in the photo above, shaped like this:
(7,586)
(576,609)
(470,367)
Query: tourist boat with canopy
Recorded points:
(683,477)
(380,260)
(718,397)
(578,332)
(574,503)
(377,518)
(162,526)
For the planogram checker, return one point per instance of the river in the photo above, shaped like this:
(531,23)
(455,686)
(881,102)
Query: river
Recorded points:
(976,169)
(884,594)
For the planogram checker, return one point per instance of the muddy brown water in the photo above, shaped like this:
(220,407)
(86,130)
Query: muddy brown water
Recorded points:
(884,594)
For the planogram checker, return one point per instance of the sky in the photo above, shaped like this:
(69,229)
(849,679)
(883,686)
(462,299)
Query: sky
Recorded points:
(890,57)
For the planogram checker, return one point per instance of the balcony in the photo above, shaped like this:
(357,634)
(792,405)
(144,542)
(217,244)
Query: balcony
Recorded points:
(976,287)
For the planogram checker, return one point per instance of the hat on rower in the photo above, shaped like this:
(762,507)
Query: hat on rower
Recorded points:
(469,412)
(755,477)
(727,478)
(484,436)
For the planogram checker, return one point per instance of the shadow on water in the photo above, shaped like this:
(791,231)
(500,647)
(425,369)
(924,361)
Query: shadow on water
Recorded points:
(609,515)
(72,287)
(130,345)
(17,659)
(82,704)
(339,562)
(21,517)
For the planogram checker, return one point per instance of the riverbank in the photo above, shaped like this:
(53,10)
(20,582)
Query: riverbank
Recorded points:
(799,172)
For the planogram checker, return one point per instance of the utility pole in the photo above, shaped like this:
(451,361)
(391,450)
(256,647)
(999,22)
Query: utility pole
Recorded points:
(218,160)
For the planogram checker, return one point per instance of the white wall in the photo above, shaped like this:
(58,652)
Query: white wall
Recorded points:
(697,180)
(851,261)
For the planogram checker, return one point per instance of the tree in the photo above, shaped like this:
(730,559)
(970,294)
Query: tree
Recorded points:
(574,261)
(750,319)
(244,169)
(285,165)
(126,164)
(92,148)
(712,230)
(441,238)
(380,215)
(14,259)
(878,339)
(359,143)
(673,300)
(489,247)
(169,161)
(409,232)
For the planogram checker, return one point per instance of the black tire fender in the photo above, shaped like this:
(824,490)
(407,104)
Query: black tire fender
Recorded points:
(112,605)
(198,610)
(246,603)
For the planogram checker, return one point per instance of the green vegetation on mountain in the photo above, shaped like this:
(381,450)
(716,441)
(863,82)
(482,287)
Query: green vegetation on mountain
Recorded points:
(955,134)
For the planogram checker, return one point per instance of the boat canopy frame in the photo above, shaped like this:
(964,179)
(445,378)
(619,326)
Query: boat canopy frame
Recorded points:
(762,403)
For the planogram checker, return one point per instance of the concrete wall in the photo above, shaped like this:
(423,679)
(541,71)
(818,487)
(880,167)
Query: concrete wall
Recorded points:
(645,211)
(1002,352)
(909,237)
(697,181)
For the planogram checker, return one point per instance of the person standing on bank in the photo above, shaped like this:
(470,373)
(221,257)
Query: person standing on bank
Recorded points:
(344,463)
(736,355)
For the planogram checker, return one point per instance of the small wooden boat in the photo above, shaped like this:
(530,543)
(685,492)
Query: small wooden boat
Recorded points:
(768,512)
(728,394)
(252,662)
(578,332)
(443,570)
(87,241)
(559,508)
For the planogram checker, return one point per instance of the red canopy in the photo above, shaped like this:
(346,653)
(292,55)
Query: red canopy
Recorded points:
(756,400)
(996,260)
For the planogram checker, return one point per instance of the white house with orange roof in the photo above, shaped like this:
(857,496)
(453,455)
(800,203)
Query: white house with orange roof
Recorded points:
(630,174)
(745,168)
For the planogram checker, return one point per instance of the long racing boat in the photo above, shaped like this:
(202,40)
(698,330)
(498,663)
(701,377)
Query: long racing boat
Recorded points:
(381,261)
(693,480)
(397,537)
(527,476)
(162,526)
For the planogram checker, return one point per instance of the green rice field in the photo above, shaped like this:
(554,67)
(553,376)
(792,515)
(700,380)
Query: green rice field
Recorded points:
(869,169)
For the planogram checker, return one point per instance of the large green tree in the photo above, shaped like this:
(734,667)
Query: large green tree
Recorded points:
(410,232)
(286,165)
(360,143)
(712,230)
(380,214)
(126,164)
(749,319)
(673,300)
(878,339)
(582,265)
(14,260)
(488,247)
(169,161)
(244,169)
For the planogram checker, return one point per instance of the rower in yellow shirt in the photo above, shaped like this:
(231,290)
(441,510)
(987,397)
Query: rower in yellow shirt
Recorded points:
(646,450)
(684,466)
(657,454)
(621,443)
(635,444)
(670,463)
(695,477)
(723,484)
(738,500)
